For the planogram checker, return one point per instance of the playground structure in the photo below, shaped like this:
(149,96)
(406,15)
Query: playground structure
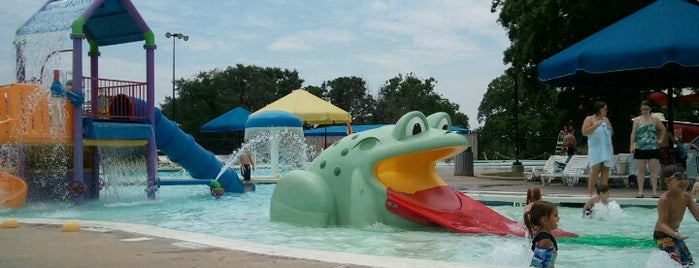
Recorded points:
(98,111)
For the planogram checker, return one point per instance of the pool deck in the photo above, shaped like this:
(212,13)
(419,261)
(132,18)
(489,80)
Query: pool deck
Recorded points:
(40,243)
(511,191)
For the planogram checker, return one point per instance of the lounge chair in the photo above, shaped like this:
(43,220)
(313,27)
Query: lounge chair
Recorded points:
(633,167)
(550,170)
(577,168)
(621,168)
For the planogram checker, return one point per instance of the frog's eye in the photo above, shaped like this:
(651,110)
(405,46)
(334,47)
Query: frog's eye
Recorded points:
(443,124)
(410,124)
(415,126)
(440,120)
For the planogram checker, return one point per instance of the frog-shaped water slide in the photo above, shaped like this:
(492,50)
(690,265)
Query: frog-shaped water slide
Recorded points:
(387,175)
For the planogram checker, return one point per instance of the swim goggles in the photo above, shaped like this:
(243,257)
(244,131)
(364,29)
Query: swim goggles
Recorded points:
(679,175)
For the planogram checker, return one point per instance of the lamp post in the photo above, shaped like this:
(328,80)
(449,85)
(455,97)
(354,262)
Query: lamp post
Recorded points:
(174,37)
(517,166)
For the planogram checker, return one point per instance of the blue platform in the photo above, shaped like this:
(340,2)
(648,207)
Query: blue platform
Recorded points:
(100,130)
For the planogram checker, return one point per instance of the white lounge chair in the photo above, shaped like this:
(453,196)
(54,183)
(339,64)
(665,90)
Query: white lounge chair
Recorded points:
(547,168)
(577,168)
(621,168)
(550,170)
(633,167)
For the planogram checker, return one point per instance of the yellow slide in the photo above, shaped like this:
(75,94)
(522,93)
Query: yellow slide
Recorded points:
(13,191)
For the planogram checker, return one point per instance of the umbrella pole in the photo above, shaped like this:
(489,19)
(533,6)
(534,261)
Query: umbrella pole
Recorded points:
(670,113)
(325,137)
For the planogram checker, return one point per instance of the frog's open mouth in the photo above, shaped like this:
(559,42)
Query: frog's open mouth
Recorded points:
(413,172)
(415,192)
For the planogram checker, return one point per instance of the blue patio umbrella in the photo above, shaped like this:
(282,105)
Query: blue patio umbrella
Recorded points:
(656,47)
(232,120)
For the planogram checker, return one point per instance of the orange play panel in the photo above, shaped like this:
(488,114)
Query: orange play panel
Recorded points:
(13,191)
(28,115)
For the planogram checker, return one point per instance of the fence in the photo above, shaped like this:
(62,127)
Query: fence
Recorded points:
(110,99)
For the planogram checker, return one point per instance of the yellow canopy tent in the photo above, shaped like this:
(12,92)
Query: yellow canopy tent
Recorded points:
(311,109)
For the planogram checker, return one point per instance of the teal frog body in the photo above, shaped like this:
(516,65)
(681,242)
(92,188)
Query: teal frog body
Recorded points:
(347,183)
(387,175)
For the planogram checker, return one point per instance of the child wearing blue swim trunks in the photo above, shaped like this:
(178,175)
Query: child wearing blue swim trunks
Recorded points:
(541,220)
(671,208)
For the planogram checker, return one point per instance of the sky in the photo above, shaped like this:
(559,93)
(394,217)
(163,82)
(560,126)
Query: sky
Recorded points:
(457,42)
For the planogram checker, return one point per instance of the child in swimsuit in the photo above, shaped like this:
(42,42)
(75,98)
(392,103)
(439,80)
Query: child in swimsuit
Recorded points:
(671,209)
(602,196)
(533,195)
(542,219)
(246,163)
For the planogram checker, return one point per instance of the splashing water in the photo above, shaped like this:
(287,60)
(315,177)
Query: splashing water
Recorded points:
(57,16)
(611,211)
(291,150)
(123,168)
(38,44)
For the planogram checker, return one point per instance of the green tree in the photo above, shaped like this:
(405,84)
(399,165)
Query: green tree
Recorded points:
(351,94)
(402,94)
(534,122)
(316,90)
(212,93)
(540,29)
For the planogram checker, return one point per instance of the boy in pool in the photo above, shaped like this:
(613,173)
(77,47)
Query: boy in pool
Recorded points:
(671,208)
(602,196)
(246,163)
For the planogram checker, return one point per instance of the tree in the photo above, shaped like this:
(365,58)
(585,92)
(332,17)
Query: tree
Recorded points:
(536,119)
(316,91)
(402,94)
(540,29)
(351,94)
(212,93)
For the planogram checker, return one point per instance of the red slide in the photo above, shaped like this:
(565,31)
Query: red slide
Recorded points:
(452,209)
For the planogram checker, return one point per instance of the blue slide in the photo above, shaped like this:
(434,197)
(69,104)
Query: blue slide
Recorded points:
(181,148)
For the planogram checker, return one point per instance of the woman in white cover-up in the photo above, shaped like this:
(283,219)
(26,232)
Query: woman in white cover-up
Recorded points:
(599,132)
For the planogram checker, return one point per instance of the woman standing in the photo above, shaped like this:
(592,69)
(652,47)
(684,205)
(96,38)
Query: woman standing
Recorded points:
(599,132)
(645,147)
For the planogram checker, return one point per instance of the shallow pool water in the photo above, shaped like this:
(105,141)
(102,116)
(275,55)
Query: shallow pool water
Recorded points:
(618,239)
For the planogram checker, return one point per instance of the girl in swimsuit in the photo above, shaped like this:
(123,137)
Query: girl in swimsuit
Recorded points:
(542,219)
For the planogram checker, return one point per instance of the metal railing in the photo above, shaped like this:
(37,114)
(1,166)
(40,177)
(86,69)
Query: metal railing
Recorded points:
(110,99)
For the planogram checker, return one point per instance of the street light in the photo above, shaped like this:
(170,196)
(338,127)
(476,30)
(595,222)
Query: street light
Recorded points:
(174,37)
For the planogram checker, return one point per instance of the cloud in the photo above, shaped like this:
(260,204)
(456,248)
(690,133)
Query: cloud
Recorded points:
(458,42)
(309,40)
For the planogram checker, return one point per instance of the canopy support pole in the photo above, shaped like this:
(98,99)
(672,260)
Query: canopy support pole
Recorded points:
(670,112)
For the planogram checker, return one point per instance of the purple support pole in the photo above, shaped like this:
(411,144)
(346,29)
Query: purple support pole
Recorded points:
(94,74)
(77,112)
(150,87)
